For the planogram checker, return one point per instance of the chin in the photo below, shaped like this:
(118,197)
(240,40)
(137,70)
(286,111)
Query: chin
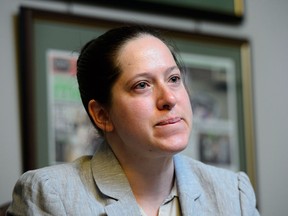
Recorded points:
(175,146)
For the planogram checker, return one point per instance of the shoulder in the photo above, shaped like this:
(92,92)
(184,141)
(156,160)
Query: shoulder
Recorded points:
(203,171)
(54,190)
(57,172)
(54,179)
(219,187)
(210,175)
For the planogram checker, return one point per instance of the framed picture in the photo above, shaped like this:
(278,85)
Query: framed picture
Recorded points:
(56,129)
(229,11)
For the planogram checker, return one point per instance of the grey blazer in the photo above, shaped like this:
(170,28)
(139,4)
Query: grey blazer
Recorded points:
(98,186)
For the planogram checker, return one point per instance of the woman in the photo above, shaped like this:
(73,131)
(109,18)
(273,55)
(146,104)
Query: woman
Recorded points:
(132,88)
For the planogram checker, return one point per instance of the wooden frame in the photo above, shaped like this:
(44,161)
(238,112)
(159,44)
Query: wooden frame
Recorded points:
(219,65)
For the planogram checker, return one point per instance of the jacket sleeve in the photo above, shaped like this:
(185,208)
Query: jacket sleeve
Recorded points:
(35,194)
(247,196)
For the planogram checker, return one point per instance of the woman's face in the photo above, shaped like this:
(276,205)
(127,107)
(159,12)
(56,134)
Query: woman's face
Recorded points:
(150,112)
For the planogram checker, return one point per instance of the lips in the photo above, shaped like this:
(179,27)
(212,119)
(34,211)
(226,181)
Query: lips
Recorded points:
(169,121)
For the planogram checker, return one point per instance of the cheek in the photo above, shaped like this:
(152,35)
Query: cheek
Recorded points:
(131,110)
(187,105)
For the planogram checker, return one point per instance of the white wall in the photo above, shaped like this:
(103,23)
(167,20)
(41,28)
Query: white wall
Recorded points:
(265,26)
(10,161)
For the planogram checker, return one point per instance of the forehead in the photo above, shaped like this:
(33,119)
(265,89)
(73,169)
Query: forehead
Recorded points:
(144,41)
(145,48)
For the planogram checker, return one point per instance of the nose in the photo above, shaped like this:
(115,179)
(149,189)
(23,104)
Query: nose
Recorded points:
(166,98)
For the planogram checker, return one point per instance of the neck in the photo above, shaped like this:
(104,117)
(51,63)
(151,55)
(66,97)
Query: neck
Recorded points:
(150,176)
(151,183)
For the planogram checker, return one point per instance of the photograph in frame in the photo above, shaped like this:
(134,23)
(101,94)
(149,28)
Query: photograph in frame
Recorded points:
(212,89)
(72,133)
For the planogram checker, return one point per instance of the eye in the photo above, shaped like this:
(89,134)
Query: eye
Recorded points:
(175,79)
(141,85)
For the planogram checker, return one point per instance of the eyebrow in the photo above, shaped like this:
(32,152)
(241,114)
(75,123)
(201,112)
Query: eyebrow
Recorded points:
(168,70)
(148,74)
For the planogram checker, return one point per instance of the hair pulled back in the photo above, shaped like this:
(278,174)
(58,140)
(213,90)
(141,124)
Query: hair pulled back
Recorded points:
(97,66)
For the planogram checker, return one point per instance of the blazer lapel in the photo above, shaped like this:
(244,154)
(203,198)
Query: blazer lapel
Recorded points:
(111,181)
(189,188)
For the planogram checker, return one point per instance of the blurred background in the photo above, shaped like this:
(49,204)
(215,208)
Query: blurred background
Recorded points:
(264,25)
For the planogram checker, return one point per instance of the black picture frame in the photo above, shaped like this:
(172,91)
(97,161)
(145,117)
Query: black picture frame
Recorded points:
(225,11)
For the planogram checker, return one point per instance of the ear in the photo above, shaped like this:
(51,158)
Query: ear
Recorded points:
(100,116)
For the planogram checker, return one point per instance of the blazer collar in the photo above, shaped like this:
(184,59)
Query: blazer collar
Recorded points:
(112,182)
(189,189)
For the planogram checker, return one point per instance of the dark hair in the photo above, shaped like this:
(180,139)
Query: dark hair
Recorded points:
(97,66)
